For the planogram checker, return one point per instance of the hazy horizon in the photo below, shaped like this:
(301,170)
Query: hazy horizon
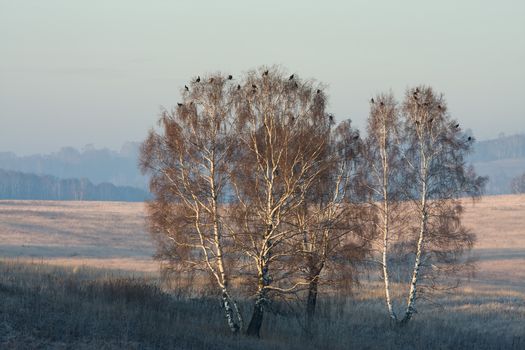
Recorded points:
(122,148)
(97,72)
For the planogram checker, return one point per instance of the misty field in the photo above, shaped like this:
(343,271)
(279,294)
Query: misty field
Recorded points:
(79,275)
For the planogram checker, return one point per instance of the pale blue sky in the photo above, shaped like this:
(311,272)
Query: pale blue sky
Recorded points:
(78,72)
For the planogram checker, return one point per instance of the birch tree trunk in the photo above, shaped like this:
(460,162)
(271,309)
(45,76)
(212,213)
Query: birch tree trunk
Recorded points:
(386,222)
(233,316)
(254,327)
(424,167)
(411,302)
(311,300)
(386,277)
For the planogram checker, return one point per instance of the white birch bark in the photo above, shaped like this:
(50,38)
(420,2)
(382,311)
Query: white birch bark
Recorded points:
(386,222)
(425,160)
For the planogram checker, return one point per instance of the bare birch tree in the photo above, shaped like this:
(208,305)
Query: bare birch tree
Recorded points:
(282,134)
(189,163)
(433,156)
(415,173)
(380,179)
(329,220)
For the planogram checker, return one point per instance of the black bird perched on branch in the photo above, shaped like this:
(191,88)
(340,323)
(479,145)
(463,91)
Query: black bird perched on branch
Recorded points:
(230,77)
(198,80)
(186,88)
(265,73)
(254,86)
(291,77)
(457,126)
(372,100)
(331,117)
(238,87)
(179,104)
(318,91)
(469,138)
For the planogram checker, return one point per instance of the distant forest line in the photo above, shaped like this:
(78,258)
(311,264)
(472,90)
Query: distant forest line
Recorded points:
(102,174)
(18,185)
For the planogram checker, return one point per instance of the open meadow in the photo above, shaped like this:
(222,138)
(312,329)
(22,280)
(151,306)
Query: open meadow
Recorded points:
(80,275)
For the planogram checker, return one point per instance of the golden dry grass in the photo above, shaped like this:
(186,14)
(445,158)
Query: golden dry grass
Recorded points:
(98,234)
(499,223)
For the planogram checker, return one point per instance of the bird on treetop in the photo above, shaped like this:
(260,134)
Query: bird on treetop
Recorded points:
(291,77)
(318,91)
(372,100)
(265,73)
(230,77)
(469,138)
(179,104)
(186,88)
(198,80)
(238,87)
(457,126)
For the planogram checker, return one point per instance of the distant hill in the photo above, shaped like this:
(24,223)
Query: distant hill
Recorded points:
(501,159)
(504,147)
(18,185)
(97,165)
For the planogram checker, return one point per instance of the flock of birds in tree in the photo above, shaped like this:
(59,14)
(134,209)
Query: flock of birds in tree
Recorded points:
(254,87)
(330,116)
(416,97)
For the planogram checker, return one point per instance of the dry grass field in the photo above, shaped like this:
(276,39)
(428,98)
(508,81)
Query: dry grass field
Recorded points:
(79,275)
(97,234)
(499,223)
(112,235)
